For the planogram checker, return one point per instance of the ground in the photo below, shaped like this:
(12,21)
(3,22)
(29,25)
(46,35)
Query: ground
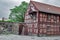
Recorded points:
(20,37)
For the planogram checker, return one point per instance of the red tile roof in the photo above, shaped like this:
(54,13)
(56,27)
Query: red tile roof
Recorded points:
(46,7)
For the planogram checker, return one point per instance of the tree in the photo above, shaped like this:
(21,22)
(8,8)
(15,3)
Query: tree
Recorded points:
(17,13)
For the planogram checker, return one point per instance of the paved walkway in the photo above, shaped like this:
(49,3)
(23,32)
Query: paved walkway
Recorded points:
(19,37)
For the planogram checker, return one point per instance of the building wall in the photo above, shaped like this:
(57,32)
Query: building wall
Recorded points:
(49,24)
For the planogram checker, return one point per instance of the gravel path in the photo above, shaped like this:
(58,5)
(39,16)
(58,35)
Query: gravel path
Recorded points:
(19,37)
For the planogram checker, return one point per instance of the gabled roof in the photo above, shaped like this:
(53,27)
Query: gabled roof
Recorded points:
(46,7)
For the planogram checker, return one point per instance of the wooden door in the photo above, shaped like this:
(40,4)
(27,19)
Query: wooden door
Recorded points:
(20,29)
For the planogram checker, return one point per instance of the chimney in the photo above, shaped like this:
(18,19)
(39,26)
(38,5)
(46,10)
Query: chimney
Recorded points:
(30,0)
(2,18)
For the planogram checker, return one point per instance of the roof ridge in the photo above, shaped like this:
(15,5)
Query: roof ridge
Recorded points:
(45,4)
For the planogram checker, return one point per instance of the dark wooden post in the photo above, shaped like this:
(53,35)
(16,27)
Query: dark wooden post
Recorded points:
(38,24)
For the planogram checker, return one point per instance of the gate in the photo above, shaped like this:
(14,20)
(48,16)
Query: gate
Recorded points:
(23,29)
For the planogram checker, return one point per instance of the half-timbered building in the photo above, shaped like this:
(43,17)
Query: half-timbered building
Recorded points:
(42,19)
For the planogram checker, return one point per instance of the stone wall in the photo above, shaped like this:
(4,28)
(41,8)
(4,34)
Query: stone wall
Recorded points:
(15,29)
(9,27)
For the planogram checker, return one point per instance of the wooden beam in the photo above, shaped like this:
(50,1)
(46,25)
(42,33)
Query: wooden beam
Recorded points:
(38,24)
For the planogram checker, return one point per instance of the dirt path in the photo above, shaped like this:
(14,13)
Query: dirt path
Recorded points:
(19,37)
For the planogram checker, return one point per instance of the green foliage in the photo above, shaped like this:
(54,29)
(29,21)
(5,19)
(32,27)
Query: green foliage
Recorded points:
(7,21)
(17,13)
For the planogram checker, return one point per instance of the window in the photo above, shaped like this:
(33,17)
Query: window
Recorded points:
(59,29)
(48,27)
(48,17)
(55,18)
(33,15)
(59,18)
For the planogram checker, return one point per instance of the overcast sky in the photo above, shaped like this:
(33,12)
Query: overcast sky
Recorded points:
(6,5)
